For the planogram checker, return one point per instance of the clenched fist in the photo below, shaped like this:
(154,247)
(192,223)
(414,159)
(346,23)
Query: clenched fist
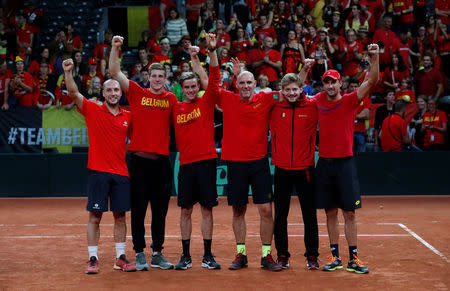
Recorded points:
(117,41)
(373,49)
(68,65)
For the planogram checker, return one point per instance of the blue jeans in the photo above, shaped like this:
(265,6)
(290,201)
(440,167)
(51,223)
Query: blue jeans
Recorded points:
(359,142)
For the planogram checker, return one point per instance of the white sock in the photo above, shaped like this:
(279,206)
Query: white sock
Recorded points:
(120,249)
(93,251)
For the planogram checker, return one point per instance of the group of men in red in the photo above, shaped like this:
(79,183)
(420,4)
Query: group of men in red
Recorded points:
(293,119)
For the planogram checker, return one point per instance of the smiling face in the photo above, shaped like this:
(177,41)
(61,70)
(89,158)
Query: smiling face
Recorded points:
(246,84)
(332,87)
(112,92)
(291,92)
(157,80)
(190,89)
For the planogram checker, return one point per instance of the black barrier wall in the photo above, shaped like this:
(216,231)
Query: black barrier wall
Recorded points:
(56,175)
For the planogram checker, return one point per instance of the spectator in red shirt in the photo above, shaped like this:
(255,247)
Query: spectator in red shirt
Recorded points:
(428,81)
(442,41)
(403,14)
(442,9)
(5,79)
(72,39)
(351,54)
(223,38)
(266,61)
(86,80)
(388,38)
(164,56)
(108,127)
(395,72)
(143,58)
(62,97)
(394,134)
(101,47)
(44,57)
(241,46)
(321,42)
(22,85)
(376,8)
(362,115)
(405,91)
(434,127)
(264,30)
(24,36)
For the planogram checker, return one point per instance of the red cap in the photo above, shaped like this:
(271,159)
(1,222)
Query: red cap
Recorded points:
(333,74)
(92,61)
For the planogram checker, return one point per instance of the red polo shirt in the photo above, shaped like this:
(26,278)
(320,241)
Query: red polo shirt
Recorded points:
(194,123)
(150,115)
(336,119)
(392,132)
(245,125)
(443,5)
(293,131)
(107,137)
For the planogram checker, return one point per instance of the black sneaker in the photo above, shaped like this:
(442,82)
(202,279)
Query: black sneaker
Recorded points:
(184,263)
(312,264)
(210,263)
(268,263)
(357,266)
(239,262)
(334,263)
(283,261)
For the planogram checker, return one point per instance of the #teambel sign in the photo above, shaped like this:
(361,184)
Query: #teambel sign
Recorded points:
(29,130)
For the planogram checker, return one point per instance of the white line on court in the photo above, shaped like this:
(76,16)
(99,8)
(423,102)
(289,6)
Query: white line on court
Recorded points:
(177,236)
(416,236)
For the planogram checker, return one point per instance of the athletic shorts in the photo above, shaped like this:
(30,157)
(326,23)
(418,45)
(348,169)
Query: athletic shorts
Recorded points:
(102,185)
(242,175)
(197,183)
(337,184)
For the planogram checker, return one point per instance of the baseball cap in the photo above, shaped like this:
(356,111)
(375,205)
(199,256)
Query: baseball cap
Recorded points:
(92,61)
(333,74)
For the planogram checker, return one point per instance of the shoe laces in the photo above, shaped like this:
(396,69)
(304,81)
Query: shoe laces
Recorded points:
(357,260)
(238,257)
(124,259)
(331,259)
(270,259)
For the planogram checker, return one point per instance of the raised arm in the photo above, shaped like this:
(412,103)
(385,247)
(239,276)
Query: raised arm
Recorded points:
(307,64)
(374,73)
(197,66)
(114,64)
(72,88)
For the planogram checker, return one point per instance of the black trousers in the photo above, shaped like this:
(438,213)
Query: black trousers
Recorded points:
(151,181)
(285,180)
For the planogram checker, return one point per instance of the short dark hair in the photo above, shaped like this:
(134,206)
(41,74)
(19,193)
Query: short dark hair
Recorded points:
(188,76)
(399,105)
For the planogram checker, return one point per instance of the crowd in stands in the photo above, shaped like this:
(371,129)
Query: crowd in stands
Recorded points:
(270,38)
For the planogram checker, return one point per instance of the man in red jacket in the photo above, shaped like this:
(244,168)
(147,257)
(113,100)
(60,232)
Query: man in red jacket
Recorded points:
(293,127)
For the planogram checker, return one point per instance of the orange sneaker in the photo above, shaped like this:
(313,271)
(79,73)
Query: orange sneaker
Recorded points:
(123,264)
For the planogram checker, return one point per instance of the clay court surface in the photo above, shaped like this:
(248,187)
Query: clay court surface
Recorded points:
(405,243)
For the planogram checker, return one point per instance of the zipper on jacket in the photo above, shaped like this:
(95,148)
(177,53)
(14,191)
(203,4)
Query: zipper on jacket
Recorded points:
(292,137)
(275,143)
